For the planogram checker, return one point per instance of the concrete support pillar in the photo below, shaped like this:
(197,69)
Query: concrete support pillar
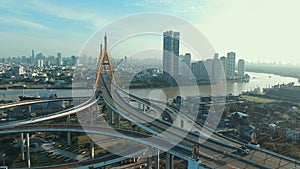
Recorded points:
(91,115)
(68,119)
(72,102)
(156,158)
(68,133)
(22,146)
(152,154)
(130,125)
(98,112)
(169,161)
(29,109)
(117,120)
(110,116)
(149,162)
(28,150)
(92,147)
(193,164)
(69,138)
(181,123)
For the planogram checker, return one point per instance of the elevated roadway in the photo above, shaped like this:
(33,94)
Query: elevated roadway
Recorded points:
(88,103)
(38,101)
(125,134)
(260,156)
(218,153)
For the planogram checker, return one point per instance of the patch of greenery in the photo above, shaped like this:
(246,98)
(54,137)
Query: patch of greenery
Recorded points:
(257,99)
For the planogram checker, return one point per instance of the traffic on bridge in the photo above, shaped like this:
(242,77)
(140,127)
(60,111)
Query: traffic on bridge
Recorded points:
(163,136)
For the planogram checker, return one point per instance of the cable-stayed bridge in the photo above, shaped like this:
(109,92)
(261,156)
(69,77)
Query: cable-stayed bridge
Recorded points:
(160,134)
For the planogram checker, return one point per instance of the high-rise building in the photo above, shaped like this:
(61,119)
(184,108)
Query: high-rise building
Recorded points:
(50,60)
(223,61)
(185,64)
(176,36)
(194,69)
(208,70)
(74,60)
(182,66)
(241,68)
(187,59)
(32,57)
(171,52)
(19,70)
(40,56)
(217,73)
(230,65)
(58,59)
(199,70)
(40,63)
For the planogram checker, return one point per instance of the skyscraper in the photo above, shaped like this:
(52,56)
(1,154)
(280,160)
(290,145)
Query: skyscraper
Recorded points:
(194,69)
(187,59)
(171,52)
(217,73)
(59,59)
(39,56)
(230,65)
(223,61)
(40,63)
(199,69)
(185,64)
(241,68)
(208,70)
(32,57)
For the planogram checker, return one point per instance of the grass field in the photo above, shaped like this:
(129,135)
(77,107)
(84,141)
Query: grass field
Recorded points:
(257,99)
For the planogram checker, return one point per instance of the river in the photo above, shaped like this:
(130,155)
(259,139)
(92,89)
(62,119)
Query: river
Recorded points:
(262,80)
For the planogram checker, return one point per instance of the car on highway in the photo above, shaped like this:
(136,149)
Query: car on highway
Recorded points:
(242,151)
(253,146)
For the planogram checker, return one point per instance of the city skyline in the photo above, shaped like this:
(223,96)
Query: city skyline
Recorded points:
(254,29)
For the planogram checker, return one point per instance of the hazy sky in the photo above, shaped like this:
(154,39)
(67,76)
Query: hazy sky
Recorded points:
(265,30)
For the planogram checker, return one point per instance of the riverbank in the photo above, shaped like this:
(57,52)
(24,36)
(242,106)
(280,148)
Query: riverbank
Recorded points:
(288,94)
(281,70)
(154,83)
(43,86)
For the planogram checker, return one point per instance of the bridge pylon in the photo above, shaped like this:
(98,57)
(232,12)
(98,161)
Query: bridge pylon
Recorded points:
(105,62)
